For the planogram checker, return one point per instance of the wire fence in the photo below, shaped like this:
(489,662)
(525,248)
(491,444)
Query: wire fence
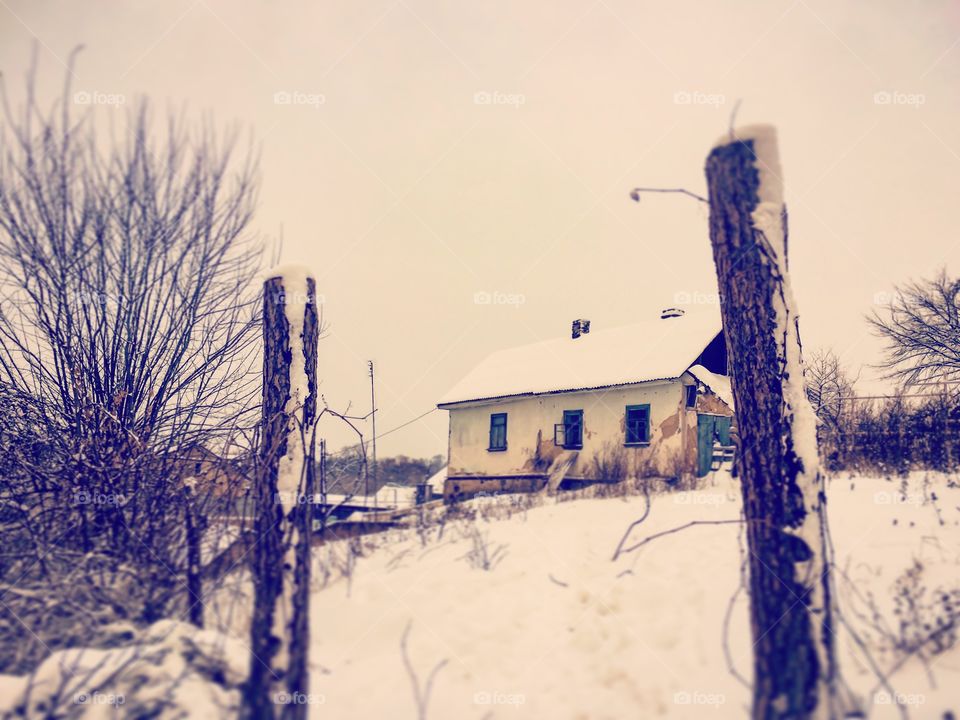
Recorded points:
(892,434)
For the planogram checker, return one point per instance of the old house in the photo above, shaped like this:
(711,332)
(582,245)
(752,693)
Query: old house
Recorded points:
(651,399)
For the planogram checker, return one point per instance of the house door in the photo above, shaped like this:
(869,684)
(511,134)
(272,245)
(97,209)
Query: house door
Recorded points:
(710,428)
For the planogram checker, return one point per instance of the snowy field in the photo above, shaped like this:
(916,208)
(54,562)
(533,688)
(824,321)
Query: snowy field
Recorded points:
(523,614)
(555,629)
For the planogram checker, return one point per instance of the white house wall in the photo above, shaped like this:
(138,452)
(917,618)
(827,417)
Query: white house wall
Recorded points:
(530,428)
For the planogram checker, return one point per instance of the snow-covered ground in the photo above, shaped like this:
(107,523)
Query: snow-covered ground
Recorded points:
(522,613)
(555,629)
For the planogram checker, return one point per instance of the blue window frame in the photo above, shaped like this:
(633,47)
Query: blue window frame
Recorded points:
(573,428)
(637,425)
(498,431)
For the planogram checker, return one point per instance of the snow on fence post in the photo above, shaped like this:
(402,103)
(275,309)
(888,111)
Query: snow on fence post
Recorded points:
(791,598)
(278,683)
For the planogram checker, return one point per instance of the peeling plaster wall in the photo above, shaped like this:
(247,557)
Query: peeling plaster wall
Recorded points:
(530,425)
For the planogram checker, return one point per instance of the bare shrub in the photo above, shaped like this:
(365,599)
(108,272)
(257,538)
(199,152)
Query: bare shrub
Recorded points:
(128,342)
(482,554)
(610,465)
(337,560)
(507,505)
(421,693)
(423,525)
(924,622)
(681,471)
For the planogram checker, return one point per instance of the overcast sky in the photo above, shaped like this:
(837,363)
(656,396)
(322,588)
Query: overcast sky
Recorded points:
(417,153)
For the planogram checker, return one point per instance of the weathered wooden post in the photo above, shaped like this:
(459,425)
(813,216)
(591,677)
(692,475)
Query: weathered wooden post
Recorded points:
(791,598)
(278,683)
(194,527)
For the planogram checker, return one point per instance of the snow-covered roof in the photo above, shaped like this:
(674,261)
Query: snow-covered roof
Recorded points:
(658,348)
(719,384)
(437,480)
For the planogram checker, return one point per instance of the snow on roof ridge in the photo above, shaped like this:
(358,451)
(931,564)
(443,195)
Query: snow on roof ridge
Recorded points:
(657,349)
(719,384)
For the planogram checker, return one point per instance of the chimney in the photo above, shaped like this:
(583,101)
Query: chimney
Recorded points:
(671,313)
(579,327)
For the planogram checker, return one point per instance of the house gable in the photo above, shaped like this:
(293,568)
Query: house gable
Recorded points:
(714,356)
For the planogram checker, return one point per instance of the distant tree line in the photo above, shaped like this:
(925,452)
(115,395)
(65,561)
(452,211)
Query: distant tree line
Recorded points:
(894,435)
(347,472)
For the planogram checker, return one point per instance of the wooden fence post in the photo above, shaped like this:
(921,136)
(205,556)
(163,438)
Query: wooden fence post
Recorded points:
(791,598)
(278,683)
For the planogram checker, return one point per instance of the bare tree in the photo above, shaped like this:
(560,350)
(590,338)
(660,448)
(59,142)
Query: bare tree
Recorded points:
(921,328)
(829,386)
(128,333)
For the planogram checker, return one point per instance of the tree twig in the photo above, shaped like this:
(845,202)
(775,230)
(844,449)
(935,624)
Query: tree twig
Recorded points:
(646,512)
(420,695)
(643,542)
(729,613)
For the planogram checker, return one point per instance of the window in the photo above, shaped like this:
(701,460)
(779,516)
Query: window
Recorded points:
(498,431)
(691,391)
(637,424)
(573,428)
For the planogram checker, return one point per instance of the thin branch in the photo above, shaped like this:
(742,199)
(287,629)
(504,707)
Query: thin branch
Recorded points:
(421,695)
(733,119)
(635,523)
(676,530)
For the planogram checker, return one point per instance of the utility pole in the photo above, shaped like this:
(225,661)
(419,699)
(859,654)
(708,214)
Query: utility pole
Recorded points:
(373,430)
